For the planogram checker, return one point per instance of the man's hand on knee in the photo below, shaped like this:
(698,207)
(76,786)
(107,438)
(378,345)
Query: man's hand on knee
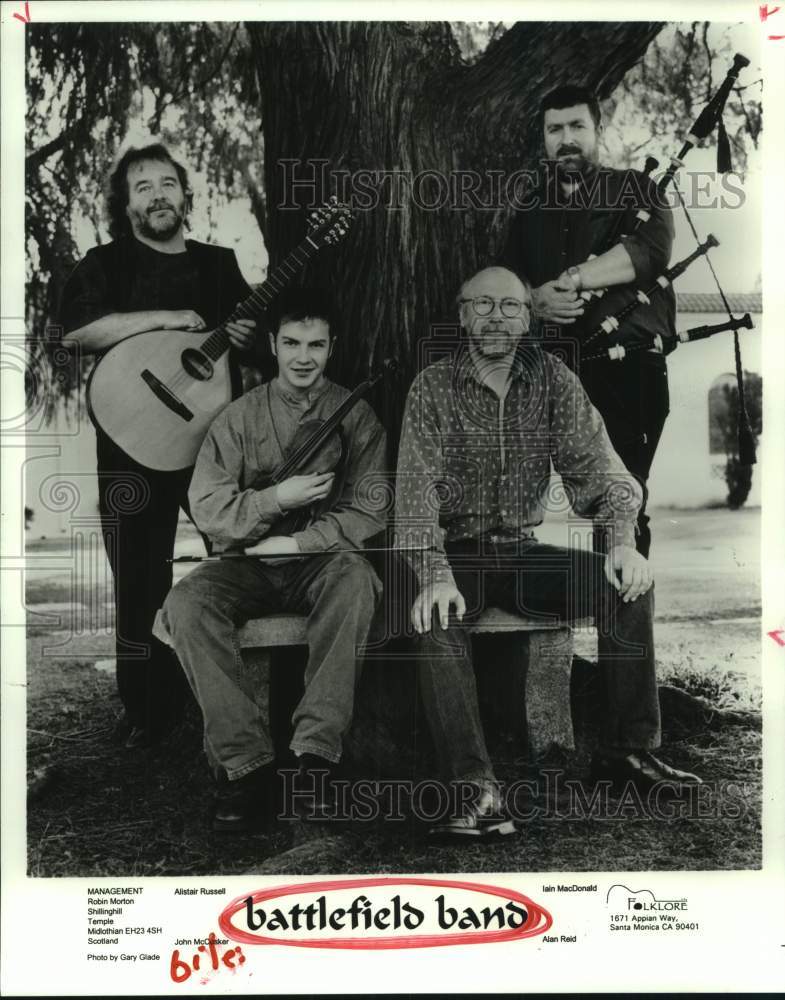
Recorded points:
(440,595)
(628,571)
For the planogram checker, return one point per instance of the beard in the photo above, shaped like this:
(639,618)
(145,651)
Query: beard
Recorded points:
(575,165)
(494,342)
(158,225)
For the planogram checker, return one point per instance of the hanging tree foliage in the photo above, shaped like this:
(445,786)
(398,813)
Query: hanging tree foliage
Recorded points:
(419,113)
(86,85)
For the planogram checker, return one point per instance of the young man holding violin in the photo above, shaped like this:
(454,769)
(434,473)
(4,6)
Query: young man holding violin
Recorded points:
(244,507)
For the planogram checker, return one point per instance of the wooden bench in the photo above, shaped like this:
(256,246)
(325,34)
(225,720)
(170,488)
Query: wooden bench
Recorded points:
(532,682)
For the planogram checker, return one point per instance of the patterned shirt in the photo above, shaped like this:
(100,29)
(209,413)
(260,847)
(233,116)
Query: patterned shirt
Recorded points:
(245,445)
(473,465)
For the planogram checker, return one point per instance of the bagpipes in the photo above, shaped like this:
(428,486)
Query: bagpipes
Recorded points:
(709,119)
(657,342)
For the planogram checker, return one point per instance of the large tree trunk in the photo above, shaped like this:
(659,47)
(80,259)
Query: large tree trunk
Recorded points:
(396,96)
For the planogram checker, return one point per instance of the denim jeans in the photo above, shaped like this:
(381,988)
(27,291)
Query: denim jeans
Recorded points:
(551,583)
(339,594)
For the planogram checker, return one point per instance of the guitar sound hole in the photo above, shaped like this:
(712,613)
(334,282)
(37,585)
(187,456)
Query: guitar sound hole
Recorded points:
(197,365)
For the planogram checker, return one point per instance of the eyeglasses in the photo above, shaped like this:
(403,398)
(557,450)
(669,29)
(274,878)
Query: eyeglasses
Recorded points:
(483,305)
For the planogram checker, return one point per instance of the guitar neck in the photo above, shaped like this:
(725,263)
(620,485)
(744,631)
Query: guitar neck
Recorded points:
(218,341)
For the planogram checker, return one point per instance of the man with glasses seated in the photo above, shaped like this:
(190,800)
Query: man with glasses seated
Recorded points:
(480,433)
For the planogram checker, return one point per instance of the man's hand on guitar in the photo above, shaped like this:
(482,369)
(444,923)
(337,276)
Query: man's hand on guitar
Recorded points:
(557,304)
(275,545)
(302,491)
(628,571)
(440,595)
(182,319)
(242,333)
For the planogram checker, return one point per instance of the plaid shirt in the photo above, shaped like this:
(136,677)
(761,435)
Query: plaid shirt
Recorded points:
(471,464)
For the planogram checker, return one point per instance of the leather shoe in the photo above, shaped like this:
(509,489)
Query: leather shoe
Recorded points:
(641,768)
(244,804)
(483,818)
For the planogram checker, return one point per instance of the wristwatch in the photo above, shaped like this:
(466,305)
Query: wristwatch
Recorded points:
(577,280)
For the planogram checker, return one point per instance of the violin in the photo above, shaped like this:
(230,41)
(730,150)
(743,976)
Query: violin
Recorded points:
(317,446)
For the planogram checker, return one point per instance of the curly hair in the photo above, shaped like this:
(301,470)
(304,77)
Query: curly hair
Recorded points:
(117,195)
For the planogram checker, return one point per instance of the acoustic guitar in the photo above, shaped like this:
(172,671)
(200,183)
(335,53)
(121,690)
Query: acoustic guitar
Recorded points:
(156,393)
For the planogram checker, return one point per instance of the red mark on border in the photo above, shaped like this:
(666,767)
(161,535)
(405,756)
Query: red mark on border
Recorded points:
(537,922)
(180,970)
(24,18)
(775,635)
(765,13)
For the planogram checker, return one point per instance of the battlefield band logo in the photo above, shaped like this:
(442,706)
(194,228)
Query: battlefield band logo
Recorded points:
(641,900)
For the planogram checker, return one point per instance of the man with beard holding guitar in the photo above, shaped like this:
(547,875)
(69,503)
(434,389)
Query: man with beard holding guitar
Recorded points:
(148,278)
(570,241)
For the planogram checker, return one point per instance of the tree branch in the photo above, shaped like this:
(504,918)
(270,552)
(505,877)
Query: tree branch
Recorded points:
(508,80)
(38,156)
(201,84)
(751,130)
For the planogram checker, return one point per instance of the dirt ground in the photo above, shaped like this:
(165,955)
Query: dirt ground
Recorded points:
(95,808)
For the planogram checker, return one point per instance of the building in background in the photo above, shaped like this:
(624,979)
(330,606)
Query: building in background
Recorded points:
(689,468)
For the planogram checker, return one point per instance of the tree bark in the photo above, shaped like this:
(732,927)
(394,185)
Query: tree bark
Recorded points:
(339,98)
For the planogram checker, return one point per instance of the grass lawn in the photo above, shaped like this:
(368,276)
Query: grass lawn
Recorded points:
(96,808)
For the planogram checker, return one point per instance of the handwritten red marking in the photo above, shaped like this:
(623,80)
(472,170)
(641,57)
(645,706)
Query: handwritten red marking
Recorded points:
(765,13)
(775,38)
(24,18)
(180,970)
(537,922)
(775,635)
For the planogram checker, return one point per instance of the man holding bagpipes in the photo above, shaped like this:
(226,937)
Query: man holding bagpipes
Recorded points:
(581,211)
(596,242)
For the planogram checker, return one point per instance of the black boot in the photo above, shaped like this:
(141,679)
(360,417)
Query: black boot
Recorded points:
(245,804)
(641,768)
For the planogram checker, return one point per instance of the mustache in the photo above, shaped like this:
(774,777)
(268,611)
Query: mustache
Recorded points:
(567,150)
(158,206)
